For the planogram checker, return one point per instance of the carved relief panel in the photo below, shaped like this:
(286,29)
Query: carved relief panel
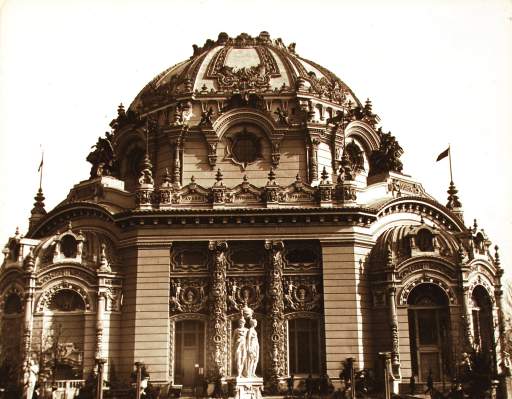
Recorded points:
(188,295)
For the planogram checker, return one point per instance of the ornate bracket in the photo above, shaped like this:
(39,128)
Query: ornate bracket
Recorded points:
(211,141)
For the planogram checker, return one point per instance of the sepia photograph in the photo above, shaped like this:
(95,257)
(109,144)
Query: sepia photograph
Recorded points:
(249,199)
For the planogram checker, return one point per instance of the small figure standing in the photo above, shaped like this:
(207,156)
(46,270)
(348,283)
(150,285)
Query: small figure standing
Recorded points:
(290,384)
(33,371)
(239,339)
(253,349)
(412,384)
(309,386)
(430,383)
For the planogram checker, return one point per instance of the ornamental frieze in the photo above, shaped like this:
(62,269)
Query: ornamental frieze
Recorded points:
(410,269)
(187,295)
(66,272)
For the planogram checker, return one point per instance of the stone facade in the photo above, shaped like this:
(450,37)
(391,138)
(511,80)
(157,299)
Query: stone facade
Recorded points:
(248,175)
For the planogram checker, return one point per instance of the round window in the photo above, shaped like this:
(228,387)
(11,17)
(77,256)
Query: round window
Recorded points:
(244,148)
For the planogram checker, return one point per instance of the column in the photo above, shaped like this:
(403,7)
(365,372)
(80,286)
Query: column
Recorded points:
(313,160)
(393,322)
(100,314)
(30,286)
(217,339)
(467,319)
(276,313)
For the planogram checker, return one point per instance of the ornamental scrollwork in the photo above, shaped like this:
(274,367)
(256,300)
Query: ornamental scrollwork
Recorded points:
(114,299)
(302,293)
(244,291)
(425,279)
(49,293)
(187,296)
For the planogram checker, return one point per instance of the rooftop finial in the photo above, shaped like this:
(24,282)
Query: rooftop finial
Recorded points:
(167,176)
(325,176)
(453,198)
(38,210)
(368,106)
(496,256)
(120,110)
(146,175)
(271,176)
(219,177)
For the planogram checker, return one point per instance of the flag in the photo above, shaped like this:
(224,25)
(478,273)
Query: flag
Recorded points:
(444,154)
(41,164)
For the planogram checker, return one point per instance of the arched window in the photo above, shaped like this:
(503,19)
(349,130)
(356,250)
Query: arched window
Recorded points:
(482,319)
(429,332)
(303,342)
(12,304)
(66,301)
(131,165)
(68,246)
(425,240)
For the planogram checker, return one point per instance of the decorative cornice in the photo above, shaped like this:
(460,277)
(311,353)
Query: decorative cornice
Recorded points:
(424,206)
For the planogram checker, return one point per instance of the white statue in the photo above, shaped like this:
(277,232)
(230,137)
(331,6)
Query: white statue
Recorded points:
(33,371)
(253,349)
(240,346)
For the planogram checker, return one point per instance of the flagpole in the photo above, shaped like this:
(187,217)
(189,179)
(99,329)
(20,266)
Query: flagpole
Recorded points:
(41,171)
(450,159)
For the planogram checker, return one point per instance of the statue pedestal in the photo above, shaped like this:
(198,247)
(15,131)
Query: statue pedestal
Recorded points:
(248,388)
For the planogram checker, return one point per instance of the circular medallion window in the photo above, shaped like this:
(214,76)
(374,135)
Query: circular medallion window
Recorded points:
(243,148)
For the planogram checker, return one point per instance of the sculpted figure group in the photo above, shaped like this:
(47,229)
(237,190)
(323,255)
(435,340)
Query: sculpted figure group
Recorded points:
(246,347)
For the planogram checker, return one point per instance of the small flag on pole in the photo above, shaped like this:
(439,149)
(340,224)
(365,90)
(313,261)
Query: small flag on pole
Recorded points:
(41,164)
(444,154)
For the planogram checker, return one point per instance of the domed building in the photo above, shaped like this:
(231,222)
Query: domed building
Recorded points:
(248,176)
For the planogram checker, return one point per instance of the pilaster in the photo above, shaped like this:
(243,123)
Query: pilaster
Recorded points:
(276,314)
(217,331)
(346,305)
(145,323)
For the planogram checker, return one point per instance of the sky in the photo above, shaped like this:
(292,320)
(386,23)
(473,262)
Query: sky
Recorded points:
(437,72)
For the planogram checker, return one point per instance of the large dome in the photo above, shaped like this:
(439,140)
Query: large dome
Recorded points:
(244,63)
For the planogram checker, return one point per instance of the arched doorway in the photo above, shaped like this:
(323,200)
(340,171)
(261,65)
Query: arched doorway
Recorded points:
(189,353)
(429,332)
(482,321)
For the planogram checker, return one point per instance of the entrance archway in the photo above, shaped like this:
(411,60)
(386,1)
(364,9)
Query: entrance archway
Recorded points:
(429,325)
